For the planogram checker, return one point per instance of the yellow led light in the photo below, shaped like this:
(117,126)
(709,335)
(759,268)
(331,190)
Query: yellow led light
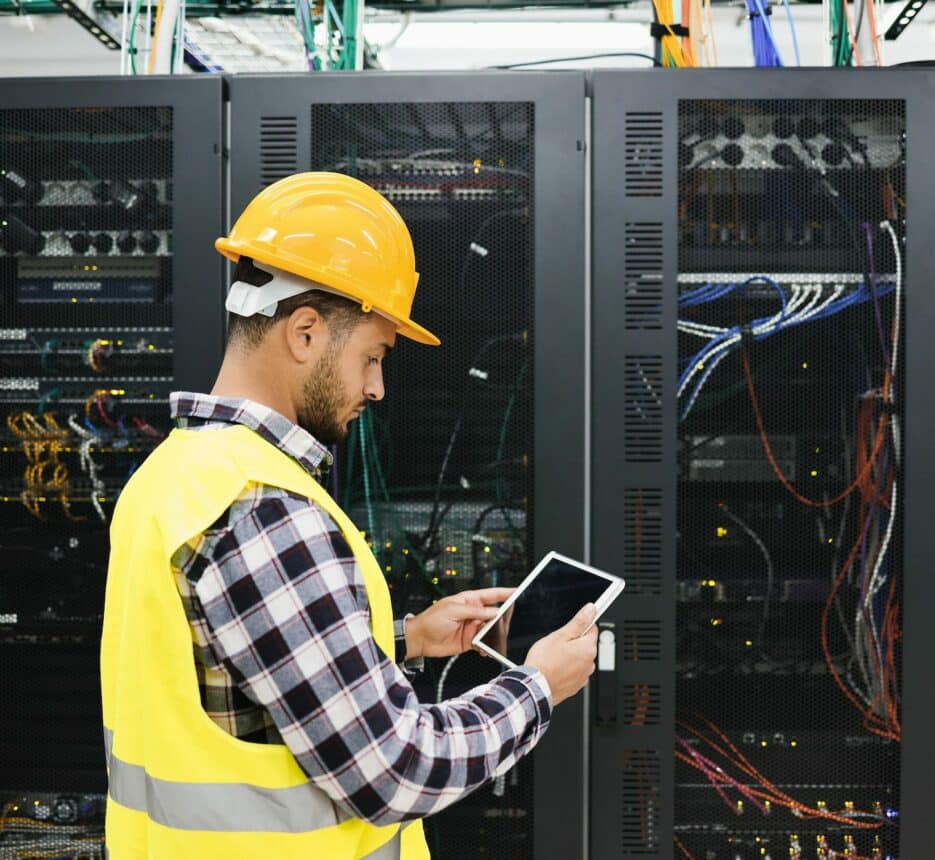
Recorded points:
(717,622)
(794,744)
(818,450)
(389,567)
(814,473)
(405,552)
(388,545)
(434,580)
(721,532)
(700,365)
(804,365)
(486,549)
(748,643)
(762,743)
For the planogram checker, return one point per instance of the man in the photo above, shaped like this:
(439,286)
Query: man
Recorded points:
(291,732)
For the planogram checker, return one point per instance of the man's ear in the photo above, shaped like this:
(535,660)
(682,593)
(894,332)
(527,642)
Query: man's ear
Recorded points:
(305,333)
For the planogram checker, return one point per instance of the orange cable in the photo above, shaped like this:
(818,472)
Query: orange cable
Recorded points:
(855,53)
(685,852)
(767,448)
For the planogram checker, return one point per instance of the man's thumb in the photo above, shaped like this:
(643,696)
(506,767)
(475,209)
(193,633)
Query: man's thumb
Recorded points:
(581,621)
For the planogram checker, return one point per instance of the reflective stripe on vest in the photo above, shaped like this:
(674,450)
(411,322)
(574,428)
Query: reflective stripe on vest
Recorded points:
(218,806)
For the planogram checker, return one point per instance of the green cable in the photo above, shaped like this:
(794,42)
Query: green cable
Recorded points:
(367,499)
(132,40)
(502,446)
(375,456)
(351,447)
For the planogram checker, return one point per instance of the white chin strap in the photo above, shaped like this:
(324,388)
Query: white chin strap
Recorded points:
(245,300)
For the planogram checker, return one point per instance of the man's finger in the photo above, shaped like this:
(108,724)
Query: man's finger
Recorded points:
(488,596)
(581,621)
(472,612)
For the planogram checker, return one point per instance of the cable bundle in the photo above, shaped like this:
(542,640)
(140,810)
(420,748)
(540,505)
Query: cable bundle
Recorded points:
(765,50)
(805,303)
(712,753)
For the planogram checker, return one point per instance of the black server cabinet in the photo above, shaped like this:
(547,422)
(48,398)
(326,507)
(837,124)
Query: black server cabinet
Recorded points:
(110,297)
(762,317)
(474,465)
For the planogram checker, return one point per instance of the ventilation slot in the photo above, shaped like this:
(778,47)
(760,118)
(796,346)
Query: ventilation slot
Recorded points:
(642,154)
(642,276)
(641,704)
(640,641)
(279,153)
(642,417)
(642,541)
(640,807)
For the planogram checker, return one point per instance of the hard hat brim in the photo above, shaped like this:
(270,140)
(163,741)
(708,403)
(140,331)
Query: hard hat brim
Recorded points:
(406,327)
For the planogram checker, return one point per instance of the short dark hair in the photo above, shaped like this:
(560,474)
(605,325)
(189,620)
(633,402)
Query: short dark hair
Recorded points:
(341,315)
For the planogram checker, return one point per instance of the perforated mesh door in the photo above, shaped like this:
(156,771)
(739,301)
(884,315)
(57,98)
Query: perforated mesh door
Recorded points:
(86,355)
(438,474)
(789,567)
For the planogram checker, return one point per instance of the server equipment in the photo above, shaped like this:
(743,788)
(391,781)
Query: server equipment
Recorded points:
(760,410)
(110,297)
(473,466)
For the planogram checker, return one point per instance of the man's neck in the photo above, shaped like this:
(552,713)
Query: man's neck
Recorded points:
(244,377)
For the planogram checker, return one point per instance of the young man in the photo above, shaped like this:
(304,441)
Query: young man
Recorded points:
(291,732)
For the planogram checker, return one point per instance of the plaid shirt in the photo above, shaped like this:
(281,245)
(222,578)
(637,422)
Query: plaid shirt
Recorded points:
(280,624)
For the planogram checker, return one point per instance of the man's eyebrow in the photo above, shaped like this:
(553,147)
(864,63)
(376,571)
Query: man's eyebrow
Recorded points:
(387,349)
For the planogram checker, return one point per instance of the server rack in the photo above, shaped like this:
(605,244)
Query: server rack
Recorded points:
(770,648)
(480,464)
(110,297)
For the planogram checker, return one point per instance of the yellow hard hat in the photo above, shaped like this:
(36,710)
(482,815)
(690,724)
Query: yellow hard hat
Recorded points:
(339,232)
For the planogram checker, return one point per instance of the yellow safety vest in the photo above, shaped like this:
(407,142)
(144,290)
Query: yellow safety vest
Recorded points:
(180,787)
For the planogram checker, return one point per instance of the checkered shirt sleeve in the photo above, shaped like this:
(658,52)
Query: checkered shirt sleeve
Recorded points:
(285,613)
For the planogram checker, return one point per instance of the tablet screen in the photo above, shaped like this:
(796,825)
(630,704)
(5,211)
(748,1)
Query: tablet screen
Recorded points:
(550,601)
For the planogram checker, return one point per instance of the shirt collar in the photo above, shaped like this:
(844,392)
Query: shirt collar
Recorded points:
(273,427)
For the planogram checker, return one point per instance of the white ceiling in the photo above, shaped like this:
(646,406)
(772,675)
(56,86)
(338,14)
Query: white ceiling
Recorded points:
(56,46)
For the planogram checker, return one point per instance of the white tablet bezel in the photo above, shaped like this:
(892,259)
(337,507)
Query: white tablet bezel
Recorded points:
(615,586)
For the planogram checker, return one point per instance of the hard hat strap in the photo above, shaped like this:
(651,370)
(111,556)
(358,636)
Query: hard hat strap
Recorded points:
(246,299)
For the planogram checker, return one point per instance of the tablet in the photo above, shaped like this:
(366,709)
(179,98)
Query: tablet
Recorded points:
(545,600)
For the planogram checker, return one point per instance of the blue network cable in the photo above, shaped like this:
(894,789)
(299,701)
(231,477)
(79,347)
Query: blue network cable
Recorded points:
(709,356)
(795,41)
(765,50)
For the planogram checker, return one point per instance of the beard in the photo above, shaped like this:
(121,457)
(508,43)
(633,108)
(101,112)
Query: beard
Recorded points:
(322,399)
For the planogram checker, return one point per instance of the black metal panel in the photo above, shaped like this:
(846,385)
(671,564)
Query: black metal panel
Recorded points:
(633,478)
(119,302)
(807,111)
(917,831)
(488,171)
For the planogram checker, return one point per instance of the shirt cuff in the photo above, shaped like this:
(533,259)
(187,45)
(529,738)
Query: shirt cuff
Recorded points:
(416,664)
(537,685)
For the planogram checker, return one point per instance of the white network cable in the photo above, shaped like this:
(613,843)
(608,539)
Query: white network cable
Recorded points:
(88,439)
(444,676)
(809,295)
(894,419)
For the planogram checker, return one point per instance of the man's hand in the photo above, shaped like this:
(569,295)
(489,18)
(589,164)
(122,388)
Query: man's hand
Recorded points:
(447,627)
(566,657)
